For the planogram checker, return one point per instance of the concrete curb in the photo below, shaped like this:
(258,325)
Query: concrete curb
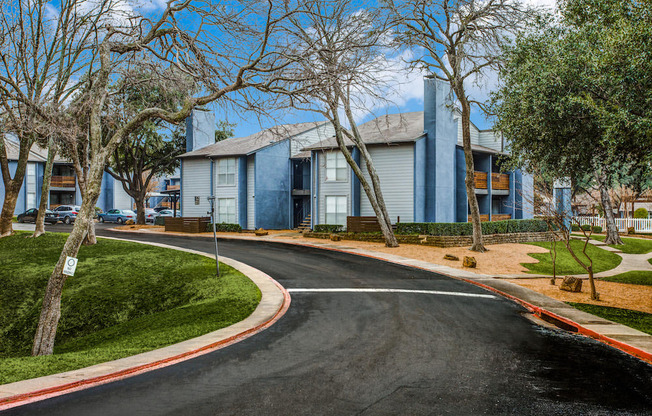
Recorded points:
(538,304)
(274,302)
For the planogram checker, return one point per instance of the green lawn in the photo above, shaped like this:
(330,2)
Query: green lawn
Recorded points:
(631,245)
(636,277)
(125,298)
(602,259)
(634,319)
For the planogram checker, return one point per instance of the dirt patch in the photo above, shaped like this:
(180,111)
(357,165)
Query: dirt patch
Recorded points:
(499,259)
(616,295)
(141,227)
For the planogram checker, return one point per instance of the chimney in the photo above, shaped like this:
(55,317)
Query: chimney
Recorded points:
(200,129)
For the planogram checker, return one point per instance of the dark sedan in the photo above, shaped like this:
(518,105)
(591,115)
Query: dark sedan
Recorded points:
(31,214)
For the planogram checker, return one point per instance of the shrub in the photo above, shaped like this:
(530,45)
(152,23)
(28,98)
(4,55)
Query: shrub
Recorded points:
(641,213)
(597,229)
(159,221)
(224,228)
(575,227)
(466,228)
(328,228)
(586,227)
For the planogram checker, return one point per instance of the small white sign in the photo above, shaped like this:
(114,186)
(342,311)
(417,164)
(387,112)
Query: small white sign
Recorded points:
(70,266)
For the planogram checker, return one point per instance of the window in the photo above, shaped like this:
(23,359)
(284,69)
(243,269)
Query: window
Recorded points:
(336,210)
(226,210)
(31,185)
(226,172)
(336,167)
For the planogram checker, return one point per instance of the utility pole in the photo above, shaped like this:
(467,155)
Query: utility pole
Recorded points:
(211,199)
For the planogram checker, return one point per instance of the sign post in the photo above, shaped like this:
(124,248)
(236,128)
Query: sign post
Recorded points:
(211,199)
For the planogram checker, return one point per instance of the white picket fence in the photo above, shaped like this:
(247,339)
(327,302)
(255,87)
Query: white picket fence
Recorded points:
(641,225)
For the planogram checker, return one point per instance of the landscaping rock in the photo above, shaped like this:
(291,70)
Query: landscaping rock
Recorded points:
(335,237)
(129,222)
(571,284)
(450,257)
(469,262)
(260,232)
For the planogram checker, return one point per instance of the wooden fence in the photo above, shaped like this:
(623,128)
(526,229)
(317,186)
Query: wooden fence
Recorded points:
(187,224)
(362,224)
(480,180)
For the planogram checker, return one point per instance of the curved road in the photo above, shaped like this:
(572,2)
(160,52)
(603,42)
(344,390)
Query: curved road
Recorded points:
(376,353)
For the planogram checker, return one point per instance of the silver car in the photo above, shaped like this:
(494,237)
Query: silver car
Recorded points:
(67,213)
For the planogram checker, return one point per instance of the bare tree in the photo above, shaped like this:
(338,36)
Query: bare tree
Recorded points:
(39,228)
(41,59)
(338,49)
(224,48)
(462,41)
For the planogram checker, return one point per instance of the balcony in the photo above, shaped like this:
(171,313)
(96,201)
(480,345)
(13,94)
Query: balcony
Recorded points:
(480,180)
(500,181)
(494,217)
(172,187)
(62,182)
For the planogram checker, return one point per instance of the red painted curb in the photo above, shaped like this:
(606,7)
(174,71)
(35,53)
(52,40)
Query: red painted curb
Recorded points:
(38,395)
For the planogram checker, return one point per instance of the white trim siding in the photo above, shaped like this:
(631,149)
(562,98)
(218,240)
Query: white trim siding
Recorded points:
(330,188)
(196,182)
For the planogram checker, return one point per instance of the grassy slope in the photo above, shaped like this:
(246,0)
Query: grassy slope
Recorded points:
(634,319)
(125,298)
(602,259)
(631,245)
(636,277)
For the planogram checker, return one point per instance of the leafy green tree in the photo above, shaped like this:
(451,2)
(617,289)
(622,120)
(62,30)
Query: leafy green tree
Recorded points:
(224,130)
(576,95)
(151,150)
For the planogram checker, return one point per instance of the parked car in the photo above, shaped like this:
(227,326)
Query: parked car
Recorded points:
(31,214)
(159,209)
(67,213)
(168,213)
(117,215)
(150,215)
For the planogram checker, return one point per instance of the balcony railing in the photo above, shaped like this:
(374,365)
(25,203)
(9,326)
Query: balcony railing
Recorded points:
(500,181)
(62,182)
(173,187)
(494,217)
(480,180)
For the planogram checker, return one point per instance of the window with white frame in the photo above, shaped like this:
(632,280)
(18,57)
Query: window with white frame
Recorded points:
(226,210)
(31,185)
(336,167)
(336,210)
(226,172)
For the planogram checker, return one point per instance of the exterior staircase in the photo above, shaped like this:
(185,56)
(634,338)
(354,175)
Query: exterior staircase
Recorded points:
(305,224)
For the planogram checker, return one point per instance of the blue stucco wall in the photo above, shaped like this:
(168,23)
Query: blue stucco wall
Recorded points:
(518,195)
(105,201)
(562,201)
(527,183)
(355,186)
(314,188)
(273,186)
(420,180)
(441,140)
(242,191)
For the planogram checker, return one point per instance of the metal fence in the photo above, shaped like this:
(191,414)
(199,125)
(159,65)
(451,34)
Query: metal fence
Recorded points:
(641,225)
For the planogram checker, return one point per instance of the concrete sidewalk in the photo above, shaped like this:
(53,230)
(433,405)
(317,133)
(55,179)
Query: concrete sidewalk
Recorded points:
(274,303)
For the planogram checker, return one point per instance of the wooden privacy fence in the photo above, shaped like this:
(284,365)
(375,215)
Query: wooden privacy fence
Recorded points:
(187,224)
(641,225)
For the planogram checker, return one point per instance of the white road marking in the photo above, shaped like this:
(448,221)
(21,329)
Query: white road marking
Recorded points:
(369,290)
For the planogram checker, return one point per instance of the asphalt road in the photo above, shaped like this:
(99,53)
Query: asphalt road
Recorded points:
(377,353)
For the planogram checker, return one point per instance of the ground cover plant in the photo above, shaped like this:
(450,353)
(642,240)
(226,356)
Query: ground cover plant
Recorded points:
(631,245)
(125,298)
(635,277)
(634,319)
(602,259)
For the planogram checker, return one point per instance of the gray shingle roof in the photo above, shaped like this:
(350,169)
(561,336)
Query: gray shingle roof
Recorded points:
(36,154)
(241,146)
(391,128)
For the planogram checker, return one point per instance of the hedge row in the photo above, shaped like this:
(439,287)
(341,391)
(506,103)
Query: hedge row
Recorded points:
(224,227)
(586,227)
(328,228)
(466,228)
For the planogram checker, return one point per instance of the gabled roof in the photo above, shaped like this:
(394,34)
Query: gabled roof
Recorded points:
(242,146)
(36,154)
(387,129)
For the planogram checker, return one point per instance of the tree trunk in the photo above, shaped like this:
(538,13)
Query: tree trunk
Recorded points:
(51,310)
(45,190)
(8,208)
(610,223)
(90,238)
(469,181)
(140,209)
(594,293)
